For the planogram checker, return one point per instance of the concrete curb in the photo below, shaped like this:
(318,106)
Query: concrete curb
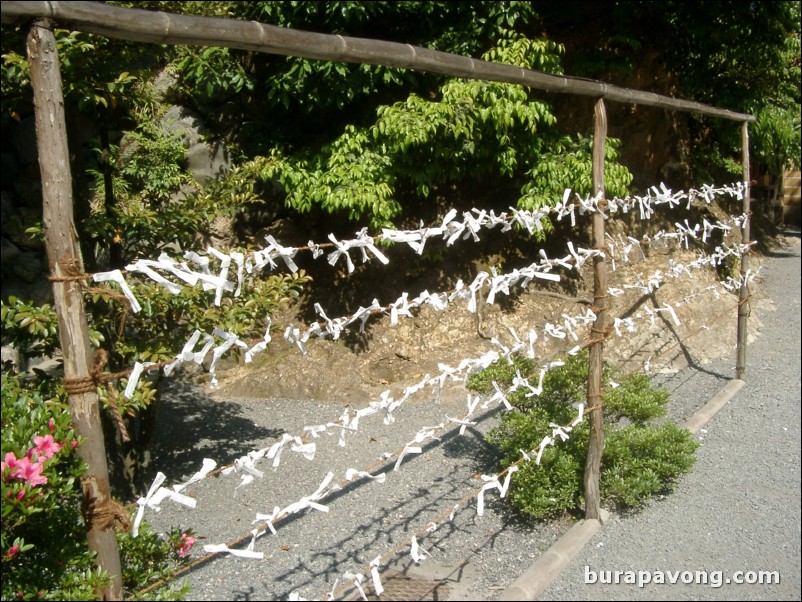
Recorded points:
(720,399)
(554,560)
(546,569)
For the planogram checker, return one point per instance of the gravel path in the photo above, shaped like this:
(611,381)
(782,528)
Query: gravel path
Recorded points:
(738,510)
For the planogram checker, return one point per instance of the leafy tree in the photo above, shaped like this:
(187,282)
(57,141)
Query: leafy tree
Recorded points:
(465,28)
(271,100)
(291,100)
(761,76)
(744,56)
(144,200)
(473,131)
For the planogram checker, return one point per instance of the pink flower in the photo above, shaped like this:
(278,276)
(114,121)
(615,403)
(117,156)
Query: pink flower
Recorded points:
(30,472)
(51,425)
(46,447)
(20,495)
(186,545)
(9,462)
(12,551)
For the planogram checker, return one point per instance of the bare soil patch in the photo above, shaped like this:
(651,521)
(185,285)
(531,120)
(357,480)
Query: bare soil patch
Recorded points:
(359,367)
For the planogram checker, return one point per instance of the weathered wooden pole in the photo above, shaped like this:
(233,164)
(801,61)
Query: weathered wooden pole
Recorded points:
(598,332)
(64,260)
(743,297)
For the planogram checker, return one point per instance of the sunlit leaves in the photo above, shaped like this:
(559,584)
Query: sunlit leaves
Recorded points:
(568,164)
(468,130)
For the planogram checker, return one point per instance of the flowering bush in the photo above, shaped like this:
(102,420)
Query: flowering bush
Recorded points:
(43,544)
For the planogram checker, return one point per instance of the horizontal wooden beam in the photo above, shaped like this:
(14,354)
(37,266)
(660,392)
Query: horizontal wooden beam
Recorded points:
(167,28)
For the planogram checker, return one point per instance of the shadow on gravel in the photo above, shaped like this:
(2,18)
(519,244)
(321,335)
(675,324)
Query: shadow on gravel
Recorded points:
(486,457)
(781,253)
(395,521)
(192,426)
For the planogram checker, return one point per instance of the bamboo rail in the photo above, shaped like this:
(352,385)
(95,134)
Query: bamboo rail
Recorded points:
(166,28)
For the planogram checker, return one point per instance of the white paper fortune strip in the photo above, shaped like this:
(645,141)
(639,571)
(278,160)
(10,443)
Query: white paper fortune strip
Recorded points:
(156,494)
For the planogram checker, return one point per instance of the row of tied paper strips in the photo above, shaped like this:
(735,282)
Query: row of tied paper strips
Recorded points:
(496,283)
(246,465)
(541,269)
(387,406)
(618,247)
(449,230)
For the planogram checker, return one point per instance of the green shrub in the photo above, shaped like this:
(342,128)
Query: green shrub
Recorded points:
(640,458)
(43,539)
(548,492)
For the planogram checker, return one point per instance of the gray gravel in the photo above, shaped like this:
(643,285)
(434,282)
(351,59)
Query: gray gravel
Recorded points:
(738,510)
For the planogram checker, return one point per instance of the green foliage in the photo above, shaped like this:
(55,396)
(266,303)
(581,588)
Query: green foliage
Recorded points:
(92,82)
(729,268)
(43,540)
(552,489)
(32,329)
(499,372)
(640,457)
(150,557)
(776,136)
(15,81)
(351,178)
(211,71)
(156,201)
(640,461)
(306,86)
(636,400)
(193,309)
(569,164)
(743,56)
(95,84)
(475,131)
(777,131)
(152,162)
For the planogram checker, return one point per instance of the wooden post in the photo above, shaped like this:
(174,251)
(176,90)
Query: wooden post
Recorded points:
(596,443)
(743,297)
(64,260)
